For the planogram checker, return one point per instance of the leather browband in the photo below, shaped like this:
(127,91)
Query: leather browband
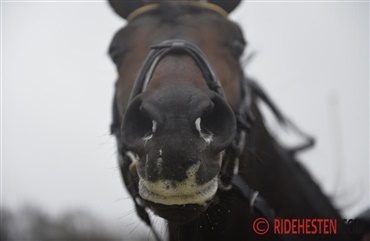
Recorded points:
(153,6)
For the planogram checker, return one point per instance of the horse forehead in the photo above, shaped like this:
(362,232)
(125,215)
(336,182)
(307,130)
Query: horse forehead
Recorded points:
(208,32)
(197,28)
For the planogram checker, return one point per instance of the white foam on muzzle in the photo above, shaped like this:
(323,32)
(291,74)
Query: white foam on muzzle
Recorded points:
(170,192)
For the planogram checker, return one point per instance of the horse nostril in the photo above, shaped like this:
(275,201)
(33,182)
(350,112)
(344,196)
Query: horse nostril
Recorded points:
(217,125)
(151,107)
(203,132)
(137,124)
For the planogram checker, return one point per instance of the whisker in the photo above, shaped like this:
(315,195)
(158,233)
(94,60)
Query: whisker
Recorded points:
(133,228)
(127,214)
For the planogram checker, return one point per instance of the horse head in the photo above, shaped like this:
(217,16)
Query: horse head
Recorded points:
(178,89)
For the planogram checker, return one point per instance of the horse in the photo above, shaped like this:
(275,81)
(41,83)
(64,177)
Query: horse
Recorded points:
(192,142)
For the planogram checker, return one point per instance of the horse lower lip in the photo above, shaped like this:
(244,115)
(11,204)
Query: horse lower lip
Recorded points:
(199,197)
(179,214)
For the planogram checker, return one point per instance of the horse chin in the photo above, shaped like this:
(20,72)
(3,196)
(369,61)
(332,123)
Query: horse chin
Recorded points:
(178,214)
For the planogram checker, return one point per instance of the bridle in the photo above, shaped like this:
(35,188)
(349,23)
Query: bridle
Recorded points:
(229,179)
(157,53)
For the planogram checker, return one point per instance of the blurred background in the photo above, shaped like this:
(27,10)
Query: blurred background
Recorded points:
(59,176)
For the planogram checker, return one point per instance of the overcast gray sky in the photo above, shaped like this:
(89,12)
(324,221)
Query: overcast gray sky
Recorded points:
(57,86)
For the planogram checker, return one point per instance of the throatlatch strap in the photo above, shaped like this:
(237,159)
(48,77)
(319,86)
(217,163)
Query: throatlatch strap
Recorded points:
(256,202)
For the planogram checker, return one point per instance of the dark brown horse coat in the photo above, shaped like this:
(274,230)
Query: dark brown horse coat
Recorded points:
(175,136)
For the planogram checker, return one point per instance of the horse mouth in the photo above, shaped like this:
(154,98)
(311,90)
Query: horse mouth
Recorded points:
(184,193)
